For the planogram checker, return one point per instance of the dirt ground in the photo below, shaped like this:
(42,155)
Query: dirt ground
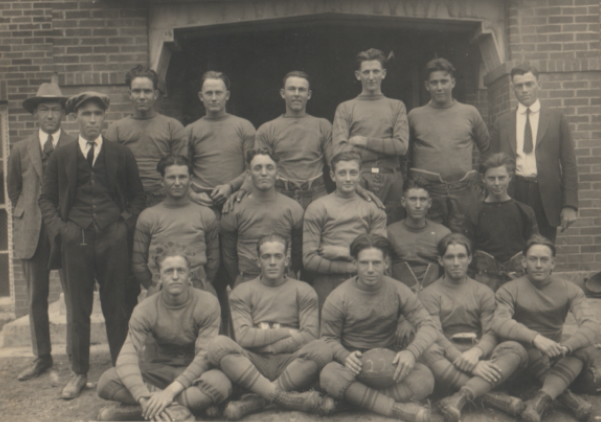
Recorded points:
(39,399)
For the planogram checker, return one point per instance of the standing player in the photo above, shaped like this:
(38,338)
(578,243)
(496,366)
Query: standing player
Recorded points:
(147,133)
(443,134)
(415,239)
(376,127)
(465,357)
(178,380)
(218,145)
(503,225)
(26,166)
(362,314)
(532,310)
(276,352)
(177,219)
(331,223)
(264,210)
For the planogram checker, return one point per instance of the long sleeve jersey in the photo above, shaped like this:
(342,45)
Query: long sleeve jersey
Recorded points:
(218,148)
(191,225)
(182,334)
(250,219)
(335,221)
(464,308)
(301,144)
(149,140)
(262,314)
(443,139)
(356,319)
(525,310)
(382,120)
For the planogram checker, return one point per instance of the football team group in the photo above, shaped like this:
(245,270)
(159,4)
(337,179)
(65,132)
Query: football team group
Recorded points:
(420,274)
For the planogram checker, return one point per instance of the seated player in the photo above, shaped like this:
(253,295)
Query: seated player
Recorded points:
(332,222)
(276,324)
(532,310)
(415,238)
(465,357)
(362,314)
(263,211)
(180,379)
(177,218)
(503,225)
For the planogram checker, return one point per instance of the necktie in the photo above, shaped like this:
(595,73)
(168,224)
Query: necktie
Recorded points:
(90,156)
(48,148)
(528,146)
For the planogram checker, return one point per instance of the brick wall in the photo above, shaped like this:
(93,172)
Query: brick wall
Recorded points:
(89,44)
(562,38)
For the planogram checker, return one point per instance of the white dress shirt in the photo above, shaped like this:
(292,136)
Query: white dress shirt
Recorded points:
(84,147)
(43,137)
(525,164)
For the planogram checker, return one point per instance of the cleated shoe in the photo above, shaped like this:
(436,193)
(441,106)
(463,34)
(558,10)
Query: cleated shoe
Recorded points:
(577,405)
(178,413)
(121,412)
(412,412)
(330,406)
(308,402)
(451,406)
(535,407)
(504,402)
(251,403)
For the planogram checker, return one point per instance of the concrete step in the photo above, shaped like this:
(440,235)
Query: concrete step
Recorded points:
(18,334)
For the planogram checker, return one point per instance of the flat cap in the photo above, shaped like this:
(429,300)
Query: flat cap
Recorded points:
(76,101)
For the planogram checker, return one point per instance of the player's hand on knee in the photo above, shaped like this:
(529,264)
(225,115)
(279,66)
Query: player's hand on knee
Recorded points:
(488,371)
(405,362)
(468,360)
(156,403)
(353,362)
(231,201)
(547,346)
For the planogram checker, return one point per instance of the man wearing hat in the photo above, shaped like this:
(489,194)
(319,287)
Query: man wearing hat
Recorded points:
(26,165)
(90,199)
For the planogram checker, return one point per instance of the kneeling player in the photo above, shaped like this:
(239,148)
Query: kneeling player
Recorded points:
(532,310)
(463,309)
(276,324)
(182,320)
(362,314)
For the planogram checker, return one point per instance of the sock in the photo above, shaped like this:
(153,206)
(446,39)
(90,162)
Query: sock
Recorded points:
(297,375)
(368,398)
(241,371)
(194,399)
(447,374)
(561,376)
(508,363)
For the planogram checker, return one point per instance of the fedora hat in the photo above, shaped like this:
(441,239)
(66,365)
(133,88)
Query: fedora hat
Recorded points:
(46,92)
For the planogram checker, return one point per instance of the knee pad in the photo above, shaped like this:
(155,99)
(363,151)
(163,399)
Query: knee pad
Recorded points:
(420,381)
(107,383)
(219,347)
(512,347)
(317,351)
(586,355)
(432,355)
(335,379)
(214,384)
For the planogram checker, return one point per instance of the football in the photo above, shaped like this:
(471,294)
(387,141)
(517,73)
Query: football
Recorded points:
(377,369)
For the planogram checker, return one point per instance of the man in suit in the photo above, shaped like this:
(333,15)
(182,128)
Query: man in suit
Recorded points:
(90,199)
(539,140)
(26,165)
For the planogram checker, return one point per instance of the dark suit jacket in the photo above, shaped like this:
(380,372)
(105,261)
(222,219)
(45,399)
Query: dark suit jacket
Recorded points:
(60,182)
(555,158)
(24,183)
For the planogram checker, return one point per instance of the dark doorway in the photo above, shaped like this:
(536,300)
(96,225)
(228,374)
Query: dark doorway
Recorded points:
(257,56)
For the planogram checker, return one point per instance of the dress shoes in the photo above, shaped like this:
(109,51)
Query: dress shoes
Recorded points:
(38,366)
(74,386)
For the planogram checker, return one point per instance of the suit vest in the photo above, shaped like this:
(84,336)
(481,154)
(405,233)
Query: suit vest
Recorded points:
(93,201)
